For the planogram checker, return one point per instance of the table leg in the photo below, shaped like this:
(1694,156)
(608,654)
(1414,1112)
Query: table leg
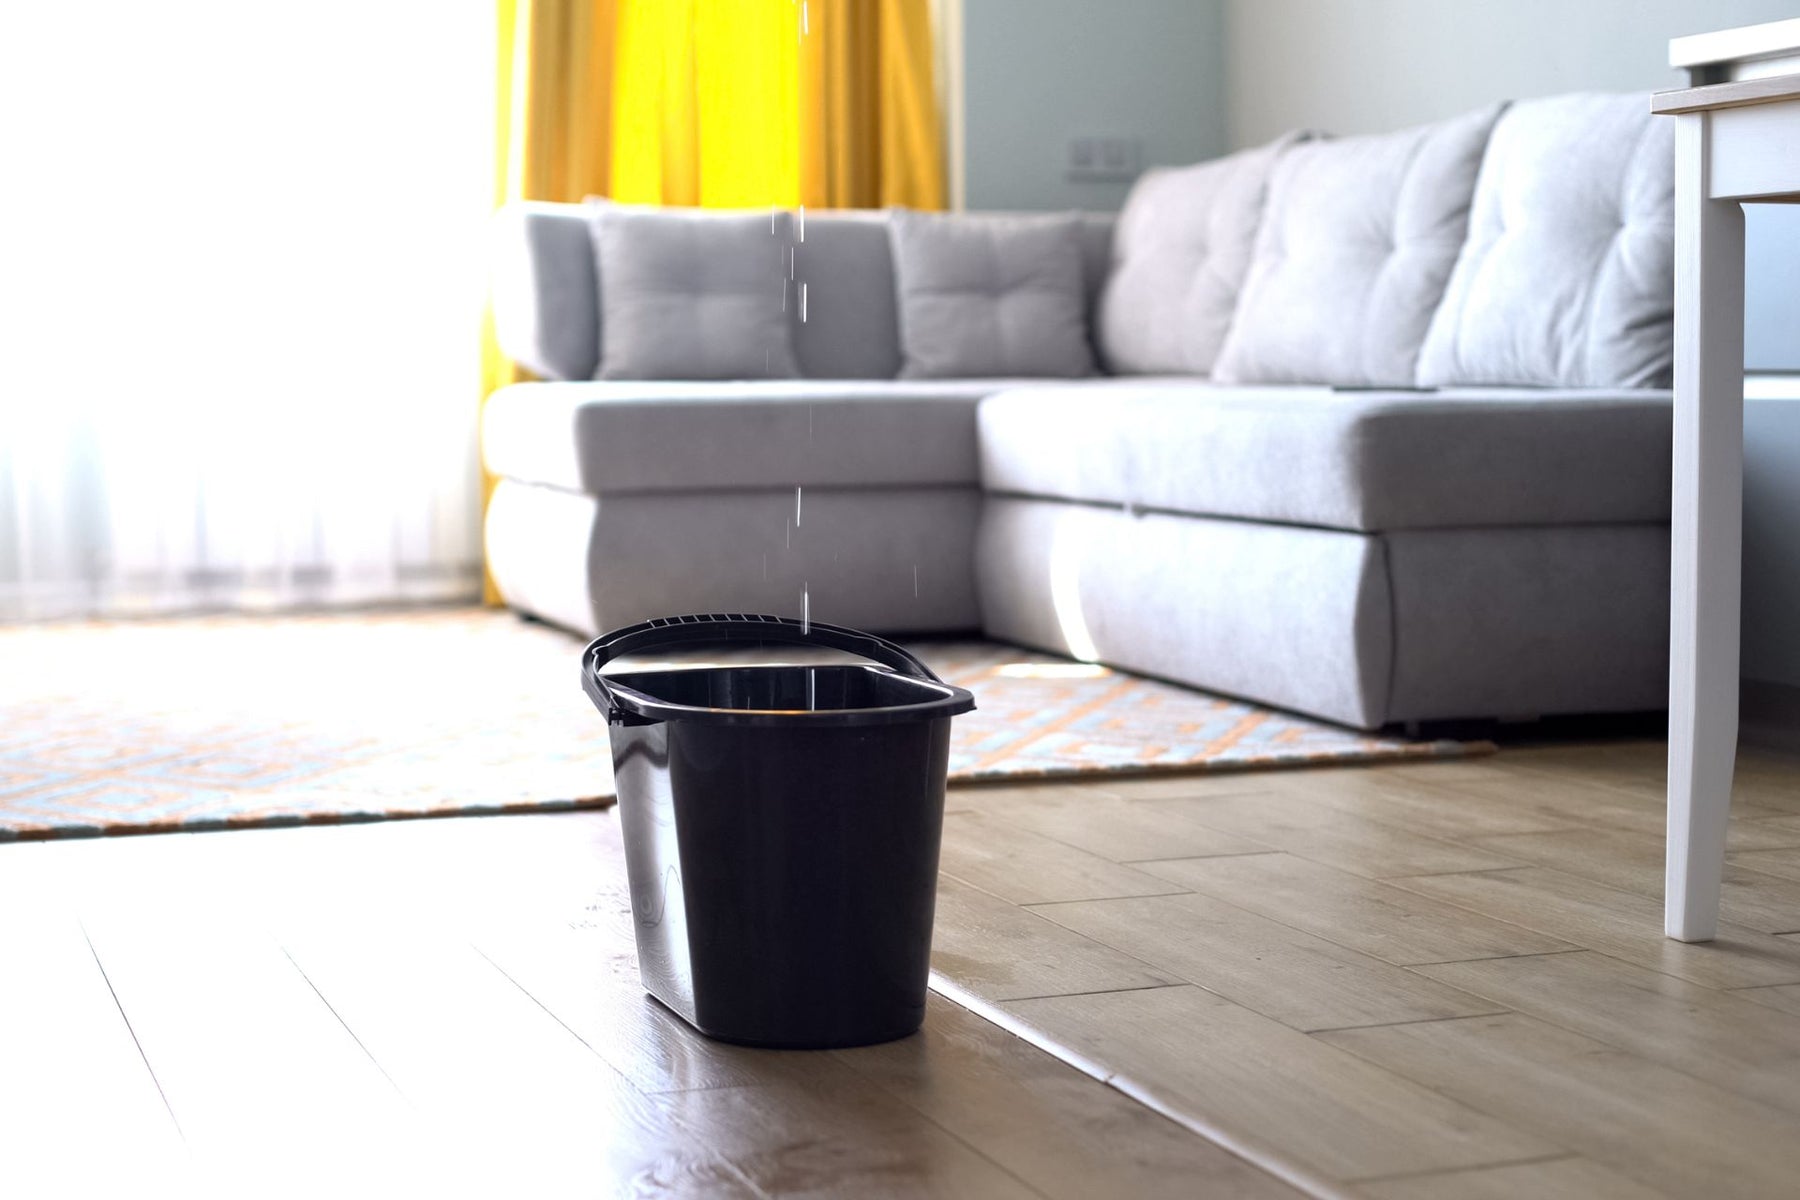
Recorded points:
(1707,524)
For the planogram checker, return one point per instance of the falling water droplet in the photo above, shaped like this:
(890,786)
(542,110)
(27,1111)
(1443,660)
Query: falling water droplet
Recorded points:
(805,609)
(797,508)
(915,581)
(803,304)
(805,22)
(812,690)
(809,416)
(802,223)
(790,535)
(793,257)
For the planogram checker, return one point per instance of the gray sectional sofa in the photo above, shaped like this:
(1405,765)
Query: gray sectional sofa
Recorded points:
(1375,429)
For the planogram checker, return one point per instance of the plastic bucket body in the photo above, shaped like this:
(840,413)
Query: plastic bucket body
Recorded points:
(781,830)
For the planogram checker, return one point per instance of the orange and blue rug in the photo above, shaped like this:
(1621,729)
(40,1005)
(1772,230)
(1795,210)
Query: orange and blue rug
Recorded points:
(240,722)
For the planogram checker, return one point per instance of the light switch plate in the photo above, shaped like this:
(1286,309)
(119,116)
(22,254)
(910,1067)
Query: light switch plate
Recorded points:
(1099,158)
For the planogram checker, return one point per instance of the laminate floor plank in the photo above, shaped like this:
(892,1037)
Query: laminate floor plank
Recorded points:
(591,986)
(1581,802)
(70,1068)
(1717,1036)
(1555,1179)
(1633,862)
(243,1049)
(1045,1121)
(1270,1086)
(1639,764)
(1437,809)
(1763,784)
(511,1092)
(1159,786)
(1783,996)
(1747,834)
(812,1127)
(1301,980)
(1657,1125)
(1000,951)
(1109,826)
(1028,868)
(1781,863)
(1767,778)
(1324,834)
(1374,917)
(1623,924)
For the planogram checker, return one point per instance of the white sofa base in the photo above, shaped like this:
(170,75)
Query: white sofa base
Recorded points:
(1366,629)
(894,559)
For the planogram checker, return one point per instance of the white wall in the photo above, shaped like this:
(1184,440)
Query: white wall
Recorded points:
(1037,72)
(1363,66)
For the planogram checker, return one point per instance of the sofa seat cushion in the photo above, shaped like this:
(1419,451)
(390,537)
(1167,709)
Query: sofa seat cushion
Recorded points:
(612,437)
(1368,461)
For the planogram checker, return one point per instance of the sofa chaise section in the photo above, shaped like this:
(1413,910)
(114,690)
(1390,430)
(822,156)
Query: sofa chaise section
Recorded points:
(1369,556)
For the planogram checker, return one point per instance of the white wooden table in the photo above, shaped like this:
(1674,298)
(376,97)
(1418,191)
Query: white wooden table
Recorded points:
(1737,141)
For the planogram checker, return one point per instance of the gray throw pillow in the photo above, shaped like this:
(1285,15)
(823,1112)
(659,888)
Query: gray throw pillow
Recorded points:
(986,295)
(1179,257)
(1567,278)
(686,294)
(1358,238)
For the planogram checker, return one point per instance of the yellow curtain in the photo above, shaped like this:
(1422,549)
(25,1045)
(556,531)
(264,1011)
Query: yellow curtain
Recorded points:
(744,103)
(552,130)
(723,103)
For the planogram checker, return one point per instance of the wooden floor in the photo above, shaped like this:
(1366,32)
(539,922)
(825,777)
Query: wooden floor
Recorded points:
(1425,980)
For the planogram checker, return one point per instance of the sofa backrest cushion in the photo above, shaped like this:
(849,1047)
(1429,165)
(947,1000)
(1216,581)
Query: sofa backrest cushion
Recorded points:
(545,294)
(990,295)
(1567,276)
(852,328)
(1358,238)
(1179,256)
(693,295)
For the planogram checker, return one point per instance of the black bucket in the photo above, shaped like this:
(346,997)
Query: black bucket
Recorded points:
(781,828)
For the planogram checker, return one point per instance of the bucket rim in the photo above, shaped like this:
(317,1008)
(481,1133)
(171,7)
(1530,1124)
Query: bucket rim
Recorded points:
(623,705)
(950,701)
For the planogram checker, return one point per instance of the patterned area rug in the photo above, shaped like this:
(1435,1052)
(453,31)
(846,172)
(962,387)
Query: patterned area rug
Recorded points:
(1040,717)
(235,722)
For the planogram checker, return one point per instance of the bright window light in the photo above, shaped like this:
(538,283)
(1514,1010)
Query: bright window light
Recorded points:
(243,263)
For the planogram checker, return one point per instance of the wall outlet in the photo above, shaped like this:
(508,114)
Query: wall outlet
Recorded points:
(1104,158)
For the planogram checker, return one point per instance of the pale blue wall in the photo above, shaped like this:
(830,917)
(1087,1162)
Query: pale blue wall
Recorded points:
(1038,72)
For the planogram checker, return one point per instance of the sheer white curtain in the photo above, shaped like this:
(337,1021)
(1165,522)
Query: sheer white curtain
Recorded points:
(241,270)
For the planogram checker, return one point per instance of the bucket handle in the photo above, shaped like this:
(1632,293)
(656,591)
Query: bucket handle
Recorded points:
(730,627)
